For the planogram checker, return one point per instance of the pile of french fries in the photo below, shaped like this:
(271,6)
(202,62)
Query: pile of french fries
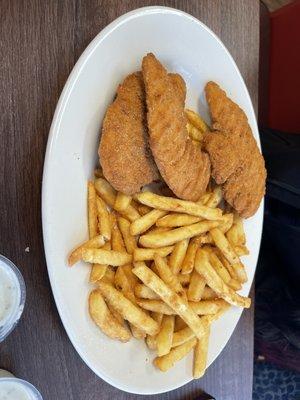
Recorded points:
(163,268)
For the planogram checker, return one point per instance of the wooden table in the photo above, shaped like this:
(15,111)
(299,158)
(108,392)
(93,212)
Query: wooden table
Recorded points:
(40,42)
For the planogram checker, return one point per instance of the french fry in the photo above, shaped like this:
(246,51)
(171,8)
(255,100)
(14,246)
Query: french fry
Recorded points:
(226,222)
(205,239)
(98,270)
(209,294)
(177,205)
(100,256)
(104,224)
(215,198)
(182,336)
(109,275)
(155,240)
(105,191)
(155,306)
(165,335)
(148,254)
(159,229)
(168,276)
(127,309)
(241,250)
(177,255)
(117,242)
(204,268)
(117,315)
(95,242)
(218,265)
(194,133)
(228,266)
(236,234)
(101,315)
(179,323)
(167,361)
(143,292)
(234,284)
(205,307)
(200,355)
(189,259)
(196,287)
(196,120)
(204,198)
(143,223)
(151,342)
(222,243)
(108,194)
(157,317)
(142,209)
(184,279)
(129,240)
(92,210)
(176,220)
(122,201)
(174,301)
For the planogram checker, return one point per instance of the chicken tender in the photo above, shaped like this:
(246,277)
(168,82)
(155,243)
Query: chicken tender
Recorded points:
(124,152)
(183,166)
(235,158)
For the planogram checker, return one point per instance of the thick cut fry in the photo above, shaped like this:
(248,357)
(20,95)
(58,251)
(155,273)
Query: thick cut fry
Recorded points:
(204,268)
(143,292)
(165,335)
(189,259)
(151,342)
(148,254)
(177,255)
(204,198)
(215,198)
(218,266)
(194,133)
(184,279)
(155,240)
(92,210)
(222,243)
(179,323)
(108,194)
(182,336)
(157,317)
(98,270)
(174,301)
(205,307)
(196,287)
(234,284)
(177,205)
(95,242)
(104,223)
(109,275)
(100,256)
(117,315)
(226,222)
(101,315)
(176,219)
(122,201)
(205,239)
(129,240)
(155,306)
(142,209)
(127,309)
(143,223)
(241,250)
(209,294)
(167,361)
(196,120)
(236,234)
(159,229)
(117,242)
(166,274)
(200,355)
(105,191)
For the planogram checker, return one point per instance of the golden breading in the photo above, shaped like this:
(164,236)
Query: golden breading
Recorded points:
(124,153)
(183,166)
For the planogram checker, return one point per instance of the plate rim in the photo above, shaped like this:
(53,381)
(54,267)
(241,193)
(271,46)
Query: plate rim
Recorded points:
(54,128)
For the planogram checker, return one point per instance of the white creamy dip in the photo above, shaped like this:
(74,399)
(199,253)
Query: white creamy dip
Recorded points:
(14,391)
(9,293)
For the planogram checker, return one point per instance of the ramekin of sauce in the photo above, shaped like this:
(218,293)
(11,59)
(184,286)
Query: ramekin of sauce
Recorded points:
(17,389)
(12,296)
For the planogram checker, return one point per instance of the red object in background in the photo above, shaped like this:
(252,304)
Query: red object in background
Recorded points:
(284,69)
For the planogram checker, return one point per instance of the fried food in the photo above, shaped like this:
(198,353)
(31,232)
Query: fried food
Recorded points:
(235,158)
(183,166)
(124,154)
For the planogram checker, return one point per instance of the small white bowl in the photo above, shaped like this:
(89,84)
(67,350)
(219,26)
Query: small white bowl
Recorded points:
(23,390)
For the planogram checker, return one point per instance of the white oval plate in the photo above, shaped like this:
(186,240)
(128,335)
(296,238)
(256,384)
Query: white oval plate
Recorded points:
(188,47)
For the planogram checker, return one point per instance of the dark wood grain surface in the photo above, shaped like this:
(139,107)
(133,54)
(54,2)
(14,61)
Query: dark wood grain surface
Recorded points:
(40,42)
